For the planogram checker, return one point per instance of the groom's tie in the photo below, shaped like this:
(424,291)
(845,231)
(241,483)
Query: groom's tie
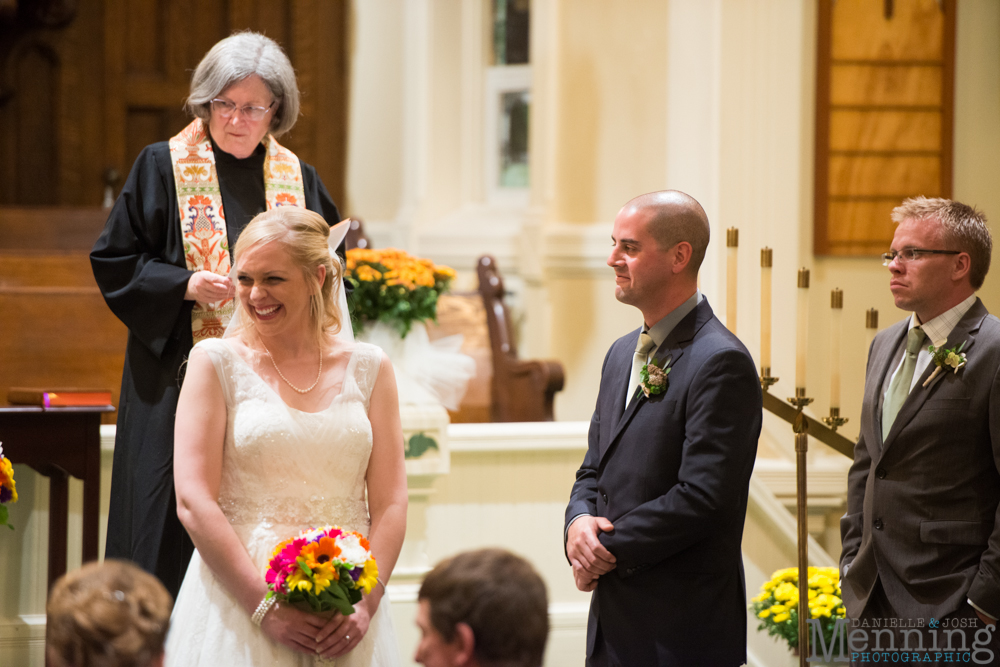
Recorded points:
(642,350)
(899,388)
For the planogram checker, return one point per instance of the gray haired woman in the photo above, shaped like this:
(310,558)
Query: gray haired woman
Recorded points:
(163,261)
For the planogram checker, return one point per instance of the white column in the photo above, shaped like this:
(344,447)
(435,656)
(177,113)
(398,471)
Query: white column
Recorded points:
(416,115)
(694,62)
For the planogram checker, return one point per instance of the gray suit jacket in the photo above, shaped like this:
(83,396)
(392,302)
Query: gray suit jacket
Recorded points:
(922,506)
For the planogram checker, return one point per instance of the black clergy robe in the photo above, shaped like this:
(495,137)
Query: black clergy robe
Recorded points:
(139,265)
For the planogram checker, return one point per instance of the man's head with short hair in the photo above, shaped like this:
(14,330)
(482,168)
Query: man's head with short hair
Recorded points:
(487,608)
(964,229)
(677,217)
(660,239)
(957,247)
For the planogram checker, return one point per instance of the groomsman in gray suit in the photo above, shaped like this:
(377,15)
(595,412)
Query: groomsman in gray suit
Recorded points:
(921,537)
(655,519)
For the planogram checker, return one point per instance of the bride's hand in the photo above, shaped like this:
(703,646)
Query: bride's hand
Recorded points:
(292,628)
(342,633)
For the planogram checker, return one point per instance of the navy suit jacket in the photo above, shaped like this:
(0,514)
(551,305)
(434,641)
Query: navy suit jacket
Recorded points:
(672,473)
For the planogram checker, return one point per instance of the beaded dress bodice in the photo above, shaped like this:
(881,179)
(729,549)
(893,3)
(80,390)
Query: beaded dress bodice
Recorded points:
(287,469)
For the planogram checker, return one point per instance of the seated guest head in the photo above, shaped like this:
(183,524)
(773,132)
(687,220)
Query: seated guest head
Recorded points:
(660,239)
(243,89)
(485,608)
(939,256)
(286,275)
(109,614)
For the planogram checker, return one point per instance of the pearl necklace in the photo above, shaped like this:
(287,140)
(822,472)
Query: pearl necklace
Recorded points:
(282,375)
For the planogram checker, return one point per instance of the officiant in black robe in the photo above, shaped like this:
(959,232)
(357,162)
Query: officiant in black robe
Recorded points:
(243,94)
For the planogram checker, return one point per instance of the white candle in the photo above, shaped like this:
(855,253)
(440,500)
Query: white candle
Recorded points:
(802,330)
(836,310)
(765,308)
(732,244)
(871,328)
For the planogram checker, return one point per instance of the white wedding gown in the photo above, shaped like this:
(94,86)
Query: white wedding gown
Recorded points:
(283,471)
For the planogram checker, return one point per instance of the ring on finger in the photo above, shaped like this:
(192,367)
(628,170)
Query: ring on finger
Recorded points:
(347,637)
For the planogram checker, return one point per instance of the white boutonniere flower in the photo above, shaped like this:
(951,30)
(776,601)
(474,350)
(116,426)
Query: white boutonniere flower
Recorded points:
(946,359)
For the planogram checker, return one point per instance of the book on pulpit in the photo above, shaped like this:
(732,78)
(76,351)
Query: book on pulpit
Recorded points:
(59,398)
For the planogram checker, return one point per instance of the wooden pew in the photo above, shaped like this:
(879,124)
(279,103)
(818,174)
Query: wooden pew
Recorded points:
(523,389)
(56,330)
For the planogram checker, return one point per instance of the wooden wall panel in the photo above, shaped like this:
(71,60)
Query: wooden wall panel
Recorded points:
(36,154)
(859,176)
(914,31)
(319,51)
(913,131)
(54,111)
(903,86)
(80,97)
(884,98)
(860,219)
(145,52)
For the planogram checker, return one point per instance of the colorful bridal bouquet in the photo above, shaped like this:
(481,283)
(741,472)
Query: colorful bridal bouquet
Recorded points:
(322,569)
(394,287)
(8,489)
(777,606)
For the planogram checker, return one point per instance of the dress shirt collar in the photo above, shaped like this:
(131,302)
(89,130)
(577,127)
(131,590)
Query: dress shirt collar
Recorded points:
(938,329)
(659,331)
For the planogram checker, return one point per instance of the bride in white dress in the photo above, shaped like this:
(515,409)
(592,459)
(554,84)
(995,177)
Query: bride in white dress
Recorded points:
(281,427)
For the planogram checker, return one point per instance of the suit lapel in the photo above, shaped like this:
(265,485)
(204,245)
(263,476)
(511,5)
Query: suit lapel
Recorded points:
(621,365)
(964,331)
(669,352)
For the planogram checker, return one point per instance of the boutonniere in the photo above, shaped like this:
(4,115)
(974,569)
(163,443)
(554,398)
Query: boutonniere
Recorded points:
(653,378)
(945,359)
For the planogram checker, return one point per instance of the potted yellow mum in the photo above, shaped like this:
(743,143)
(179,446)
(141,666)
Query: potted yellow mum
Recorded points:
(777,606)
(393,287)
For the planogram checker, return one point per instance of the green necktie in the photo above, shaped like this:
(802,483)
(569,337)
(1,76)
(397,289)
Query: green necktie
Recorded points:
(642,350)
(899,388)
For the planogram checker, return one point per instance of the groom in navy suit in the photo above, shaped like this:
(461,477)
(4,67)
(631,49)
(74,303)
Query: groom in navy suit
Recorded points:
(655,519)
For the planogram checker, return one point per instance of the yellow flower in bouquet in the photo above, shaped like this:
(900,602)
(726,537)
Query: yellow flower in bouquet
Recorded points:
(369,577)
(777,606)
(392,286)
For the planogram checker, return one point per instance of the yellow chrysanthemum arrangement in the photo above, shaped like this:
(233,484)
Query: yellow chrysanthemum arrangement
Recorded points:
(394,287)
(8,489)
(777,606)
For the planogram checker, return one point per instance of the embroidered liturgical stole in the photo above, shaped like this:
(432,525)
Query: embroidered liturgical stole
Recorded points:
(203,220)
